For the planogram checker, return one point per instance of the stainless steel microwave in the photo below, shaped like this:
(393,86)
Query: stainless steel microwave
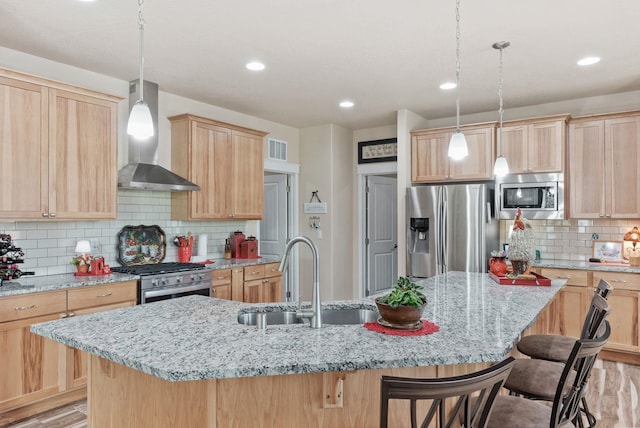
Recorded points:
(539,196)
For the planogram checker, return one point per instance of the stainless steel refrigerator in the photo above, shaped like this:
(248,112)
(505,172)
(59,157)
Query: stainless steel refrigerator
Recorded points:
(450,228)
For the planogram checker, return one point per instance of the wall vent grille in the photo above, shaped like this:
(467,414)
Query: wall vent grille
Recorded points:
(277,149)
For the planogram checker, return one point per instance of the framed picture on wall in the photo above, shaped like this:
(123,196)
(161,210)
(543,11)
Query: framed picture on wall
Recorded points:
(607,251)
(378,151)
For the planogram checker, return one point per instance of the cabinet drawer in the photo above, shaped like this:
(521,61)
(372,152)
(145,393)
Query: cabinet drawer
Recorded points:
(253,272)
(32,305)
(573,277)
(222,276)
(271,269)
(98,295)
(620,280)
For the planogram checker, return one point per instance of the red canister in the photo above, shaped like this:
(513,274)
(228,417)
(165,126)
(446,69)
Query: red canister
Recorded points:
(236,239)
(249,248)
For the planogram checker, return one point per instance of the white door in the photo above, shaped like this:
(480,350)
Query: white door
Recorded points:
(274,224)
(382,239)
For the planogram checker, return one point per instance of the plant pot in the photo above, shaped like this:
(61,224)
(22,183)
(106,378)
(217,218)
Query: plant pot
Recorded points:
(400,315)
(83,268)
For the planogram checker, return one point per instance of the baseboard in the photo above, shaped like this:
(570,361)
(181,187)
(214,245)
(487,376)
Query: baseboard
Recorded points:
(619,356)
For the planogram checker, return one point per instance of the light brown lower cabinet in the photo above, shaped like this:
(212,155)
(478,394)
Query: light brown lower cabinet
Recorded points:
(39,374)
(228,284)
(566,314)
(263,283)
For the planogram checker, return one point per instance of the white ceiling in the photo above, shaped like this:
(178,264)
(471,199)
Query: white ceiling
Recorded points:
(383,55)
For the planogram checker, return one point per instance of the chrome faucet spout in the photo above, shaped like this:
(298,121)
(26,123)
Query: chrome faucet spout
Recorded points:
(315,315)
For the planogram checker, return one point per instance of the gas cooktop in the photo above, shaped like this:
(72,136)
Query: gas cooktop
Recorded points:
(157,268)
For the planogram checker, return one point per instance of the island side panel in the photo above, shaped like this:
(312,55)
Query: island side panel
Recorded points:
(119,396)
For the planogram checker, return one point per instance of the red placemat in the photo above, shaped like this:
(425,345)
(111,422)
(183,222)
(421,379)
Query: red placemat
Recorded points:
(427,328)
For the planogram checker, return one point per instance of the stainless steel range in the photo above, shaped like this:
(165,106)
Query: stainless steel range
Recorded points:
(162,281)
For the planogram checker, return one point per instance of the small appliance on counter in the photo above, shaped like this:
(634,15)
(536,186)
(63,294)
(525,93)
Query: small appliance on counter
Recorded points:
(249,248)
(236,239)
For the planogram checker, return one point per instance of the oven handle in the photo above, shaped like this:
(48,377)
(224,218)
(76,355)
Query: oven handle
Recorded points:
(172,290)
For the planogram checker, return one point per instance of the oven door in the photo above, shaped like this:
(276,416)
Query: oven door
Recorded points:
(173,292)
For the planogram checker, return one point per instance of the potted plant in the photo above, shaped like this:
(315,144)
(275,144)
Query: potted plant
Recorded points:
(404,304)
(81,262)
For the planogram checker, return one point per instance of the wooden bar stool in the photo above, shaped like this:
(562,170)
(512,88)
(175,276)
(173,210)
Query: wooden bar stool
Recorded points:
(565,387)
(487,383)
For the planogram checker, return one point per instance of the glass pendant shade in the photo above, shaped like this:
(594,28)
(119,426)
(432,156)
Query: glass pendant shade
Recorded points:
(458,146)
(501,167)
(140,124)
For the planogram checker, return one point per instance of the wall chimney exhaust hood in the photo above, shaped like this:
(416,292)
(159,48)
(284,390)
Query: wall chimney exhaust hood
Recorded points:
(143,172)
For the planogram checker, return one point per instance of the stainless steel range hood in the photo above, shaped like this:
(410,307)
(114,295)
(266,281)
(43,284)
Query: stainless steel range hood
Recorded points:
(143,172)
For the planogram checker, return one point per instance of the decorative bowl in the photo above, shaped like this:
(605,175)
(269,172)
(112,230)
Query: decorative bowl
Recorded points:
(400,315)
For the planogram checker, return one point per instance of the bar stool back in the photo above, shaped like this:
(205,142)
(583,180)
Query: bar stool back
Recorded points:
(487,383)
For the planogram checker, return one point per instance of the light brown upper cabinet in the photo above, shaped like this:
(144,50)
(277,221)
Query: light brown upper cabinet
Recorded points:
(225,160)
(534,145)
(604,166)
(58,145)
(430,163)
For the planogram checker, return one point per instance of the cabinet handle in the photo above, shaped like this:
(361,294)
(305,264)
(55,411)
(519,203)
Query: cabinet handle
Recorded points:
(220,277)
(72,314)
(254,273)
(52,215)
(563,277)
(45,214)
(618,280)
(238,270)
(213,291)
(63,315)
(24,308)
(104,295)
(608,215)
(601,215)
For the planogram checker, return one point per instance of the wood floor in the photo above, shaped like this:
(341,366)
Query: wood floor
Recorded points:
(613,395)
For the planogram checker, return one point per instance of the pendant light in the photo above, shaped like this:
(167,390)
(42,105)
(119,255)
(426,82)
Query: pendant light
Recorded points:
(501,167)
(140,124)
(458,144)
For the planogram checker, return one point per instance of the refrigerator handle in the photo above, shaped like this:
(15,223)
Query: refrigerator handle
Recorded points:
(443,229)
(488,212)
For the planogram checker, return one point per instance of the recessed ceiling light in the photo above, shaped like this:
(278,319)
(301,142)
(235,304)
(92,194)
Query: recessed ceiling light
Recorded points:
(590,60)
(255,66)
(448,85)
(347,104)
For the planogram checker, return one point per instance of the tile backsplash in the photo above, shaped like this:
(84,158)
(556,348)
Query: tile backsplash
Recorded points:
(571,239)
(49,245)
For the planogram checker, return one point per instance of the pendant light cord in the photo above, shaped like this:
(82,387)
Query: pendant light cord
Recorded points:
(501,110)
(141,27)
(457,65)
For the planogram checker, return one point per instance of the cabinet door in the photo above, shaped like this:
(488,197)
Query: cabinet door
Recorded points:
(83,159)
(478,165)
(211,170)
(572,303)
(622,157)
(23,149)
(586,169)
(624,321)
(545,148)
(429,157)
(247,198)
(253,291)
(237,284)
(221,291)
(272,289)
(29,363)
(514,147)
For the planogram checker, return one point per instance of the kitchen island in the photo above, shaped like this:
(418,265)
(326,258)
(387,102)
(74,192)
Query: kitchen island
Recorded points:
(187,362)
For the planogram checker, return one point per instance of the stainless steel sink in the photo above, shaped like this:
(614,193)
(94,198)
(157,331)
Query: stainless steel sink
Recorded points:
(280,317)
(329,316)
(349,316)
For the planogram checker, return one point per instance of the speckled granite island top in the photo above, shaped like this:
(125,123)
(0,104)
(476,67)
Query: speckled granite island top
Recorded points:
(197,337)
(567,264)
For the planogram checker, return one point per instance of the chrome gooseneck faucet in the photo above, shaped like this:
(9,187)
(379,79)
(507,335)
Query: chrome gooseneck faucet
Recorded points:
(315,315)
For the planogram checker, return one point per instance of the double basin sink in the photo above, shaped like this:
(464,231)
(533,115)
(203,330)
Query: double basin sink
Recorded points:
(329,316)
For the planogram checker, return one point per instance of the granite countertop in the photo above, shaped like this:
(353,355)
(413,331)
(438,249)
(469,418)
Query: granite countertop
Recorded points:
(568,264)
(37,284)
(197,337)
